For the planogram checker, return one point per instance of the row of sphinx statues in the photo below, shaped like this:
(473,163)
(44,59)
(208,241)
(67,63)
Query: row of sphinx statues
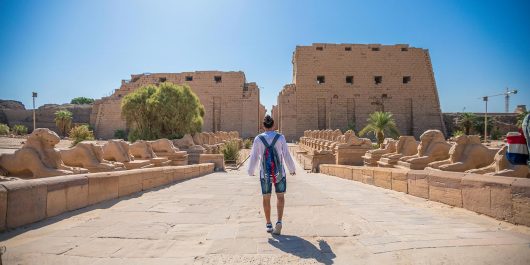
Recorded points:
(464,153)
(39,158)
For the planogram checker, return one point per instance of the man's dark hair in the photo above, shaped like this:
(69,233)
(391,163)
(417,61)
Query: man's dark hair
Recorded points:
(268,122)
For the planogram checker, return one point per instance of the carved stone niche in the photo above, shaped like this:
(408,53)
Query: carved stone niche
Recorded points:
(432,147)
(405,146)
(37,158)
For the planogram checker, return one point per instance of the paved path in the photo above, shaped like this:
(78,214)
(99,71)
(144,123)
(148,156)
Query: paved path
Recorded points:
(217,219)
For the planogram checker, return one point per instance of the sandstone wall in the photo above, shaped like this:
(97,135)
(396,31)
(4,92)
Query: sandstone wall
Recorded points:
(27,201)
(334,87)
(503,198)
(231,104)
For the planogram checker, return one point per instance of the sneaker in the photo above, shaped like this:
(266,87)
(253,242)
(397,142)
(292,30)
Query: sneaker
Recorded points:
(269,228)
(278,228)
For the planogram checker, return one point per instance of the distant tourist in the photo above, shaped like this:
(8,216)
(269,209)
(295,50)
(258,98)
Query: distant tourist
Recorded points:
(270,148)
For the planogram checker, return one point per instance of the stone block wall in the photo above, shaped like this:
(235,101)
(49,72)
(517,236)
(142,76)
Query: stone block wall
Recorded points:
(231,104)
(27,201)
(336,86)
(503,198)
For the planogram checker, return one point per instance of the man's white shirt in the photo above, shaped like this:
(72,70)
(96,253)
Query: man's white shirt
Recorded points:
(258,148)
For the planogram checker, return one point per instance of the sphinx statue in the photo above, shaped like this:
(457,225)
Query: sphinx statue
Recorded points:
(118,150)
(432,147)
(37,158)
(467,153)
(185,142)
(142,150)
(405,146)
(371,157)
(165,148)
(502,167)
(89,156)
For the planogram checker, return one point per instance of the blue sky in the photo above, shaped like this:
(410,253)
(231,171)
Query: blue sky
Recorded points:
(65,49)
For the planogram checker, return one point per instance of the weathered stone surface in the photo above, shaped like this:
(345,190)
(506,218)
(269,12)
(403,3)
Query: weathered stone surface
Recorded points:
(383,177)
(371,157)
(418,183)
(399,180)
(217,159)
(521,201)
(405,146)
(38,157)
(129,182)
(26,202)
(488,195)
(102,187)
(66,193)
(3,208)
(367,176)
(445,187)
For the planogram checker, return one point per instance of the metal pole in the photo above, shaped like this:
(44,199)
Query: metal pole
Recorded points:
(486,122)
(34,111)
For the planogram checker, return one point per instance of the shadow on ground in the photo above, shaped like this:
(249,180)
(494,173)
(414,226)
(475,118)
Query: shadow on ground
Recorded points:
(303,248)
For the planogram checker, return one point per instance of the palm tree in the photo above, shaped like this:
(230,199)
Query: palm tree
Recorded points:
(466,121)
(63,121)
(380,122)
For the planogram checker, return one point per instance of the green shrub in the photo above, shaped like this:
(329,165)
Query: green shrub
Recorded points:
(458,133)
(230,151)
(81,133)
(19,129)
(120,134)
(63,121)
(247,144)
(4,129)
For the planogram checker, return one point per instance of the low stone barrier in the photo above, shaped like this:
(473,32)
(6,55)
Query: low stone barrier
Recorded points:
(503,198)
(27,201)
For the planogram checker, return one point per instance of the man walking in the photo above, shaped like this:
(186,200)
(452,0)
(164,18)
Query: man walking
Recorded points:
(270,148)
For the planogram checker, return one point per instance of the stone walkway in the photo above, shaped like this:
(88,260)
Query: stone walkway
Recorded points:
(217,219)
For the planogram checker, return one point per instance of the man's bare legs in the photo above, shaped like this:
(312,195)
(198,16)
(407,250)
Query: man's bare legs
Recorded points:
(267,207)
(280,205)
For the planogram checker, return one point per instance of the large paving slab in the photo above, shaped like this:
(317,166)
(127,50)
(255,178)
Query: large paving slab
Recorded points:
(217,219)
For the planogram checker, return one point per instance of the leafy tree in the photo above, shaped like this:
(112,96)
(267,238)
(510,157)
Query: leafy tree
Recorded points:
(164,111)
(380,122)
(466,121)
(82,100)
(81,133)
(479,125)
(63,121)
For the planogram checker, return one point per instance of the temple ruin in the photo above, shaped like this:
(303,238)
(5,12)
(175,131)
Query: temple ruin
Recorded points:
(336,86)
(231,104)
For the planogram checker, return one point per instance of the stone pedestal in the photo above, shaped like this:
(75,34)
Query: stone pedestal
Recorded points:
(217,159)
(134,164)
(388,161)
(350,155)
